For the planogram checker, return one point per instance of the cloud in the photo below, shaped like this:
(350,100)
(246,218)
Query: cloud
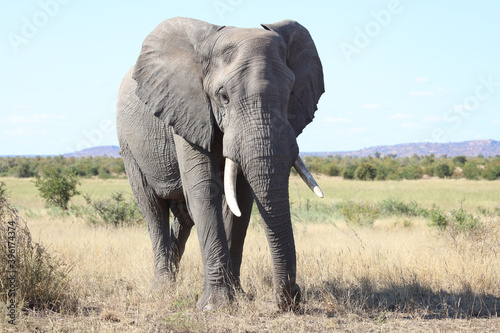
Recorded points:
(443,91)
(495,122)
(358,130)
(460,107)
(26,131)
(338,120)
(421,93)
(38,118)
(19,106)
(433,119)
(410,125)
(421,80)
(371,106)
(402,116)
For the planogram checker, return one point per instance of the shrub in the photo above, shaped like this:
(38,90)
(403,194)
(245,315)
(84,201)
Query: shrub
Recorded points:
(392,206)
(57,185)
(492,171)
(443,170)
(330,169)
(3,193)
(428,170)
(459,160)
(458,221)
(382,172)
(365,171)
(114,211)
(41,282)
(361,214)
(24,170)
(471,171)
(411,172)
(437,218)
(348,172)
(103,173)
(486,212)
(463,222)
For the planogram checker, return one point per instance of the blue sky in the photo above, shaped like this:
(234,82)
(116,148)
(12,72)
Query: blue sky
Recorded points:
(395,71)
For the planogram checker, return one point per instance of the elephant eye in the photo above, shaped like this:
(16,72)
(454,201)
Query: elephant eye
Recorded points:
(224,97)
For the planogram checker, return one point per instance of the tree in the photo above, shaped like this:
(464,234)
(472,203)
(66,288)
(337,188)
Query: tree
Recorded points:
(459,160)
(365,171)
(443,170)
(492,171)
(471,171)
(57,185)
(348,172)
(23,171)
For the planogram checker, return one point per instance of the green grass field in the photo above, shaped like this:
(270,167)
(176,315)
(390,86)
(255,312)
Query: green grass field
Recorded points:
(445,193)
(398,275)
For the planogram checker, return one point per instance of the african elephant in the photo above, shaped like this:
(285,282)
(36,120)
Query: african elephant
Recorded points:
(207,122)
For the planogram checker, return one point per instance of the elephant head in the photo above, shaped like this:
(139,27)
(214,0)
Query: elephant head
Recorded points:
(260,88)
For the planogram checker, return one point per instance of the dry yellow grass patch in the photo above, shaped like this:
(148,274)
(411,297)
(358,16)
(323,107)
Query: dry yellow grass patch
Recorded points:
(399,275)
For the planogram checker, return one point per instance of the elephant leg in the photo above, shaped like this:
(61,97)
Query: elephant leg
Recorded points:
(156,213)
(236,227)
(202,186)
(180,230)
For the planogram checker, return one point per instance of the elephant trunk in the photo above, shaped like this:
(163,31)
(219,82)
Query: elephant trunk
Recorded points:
(266,157)
(269,182)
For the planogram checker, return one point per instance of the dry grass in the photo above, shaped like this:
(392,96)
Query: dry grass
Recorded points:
(386,278)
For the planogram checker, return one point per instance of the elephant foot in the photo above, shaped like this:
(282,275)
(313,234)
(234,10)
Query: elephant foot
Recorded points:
(162,282)
(215,297)
(240,293)
(289,300)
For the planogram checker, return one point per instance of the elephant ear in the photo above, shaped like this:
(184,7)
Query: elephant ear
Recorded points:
(303,60)
(169,78)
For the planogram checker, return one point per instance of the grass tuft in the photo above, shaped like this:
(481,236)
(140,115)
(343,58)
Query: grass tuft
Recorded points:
(30,278)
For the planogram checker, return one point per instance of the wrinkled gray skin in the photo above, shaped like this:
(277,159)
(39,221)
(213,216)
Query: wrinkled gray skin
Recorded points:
(200,93)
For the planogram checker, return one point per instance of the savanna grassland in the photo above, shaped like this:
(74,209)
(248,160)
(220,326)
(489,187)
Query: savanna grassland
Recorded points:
(361,268)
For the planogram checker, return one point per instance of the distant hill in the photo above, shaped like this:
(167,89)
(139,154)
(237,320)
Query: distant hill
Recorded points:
(110,151)
(468,148)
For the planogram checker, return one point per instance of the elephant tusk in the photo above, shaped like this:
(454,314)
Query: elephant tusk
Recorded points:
(230,174)
(307,177)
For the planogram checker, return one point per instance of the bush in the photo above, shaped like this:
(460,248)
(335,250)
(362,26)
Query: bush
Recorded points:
(437,218)
(471,171)
(348,172)
(365,171)
(103,173)
(382,172)
(23,171)
(114,211)
(492,171)
(361,214)
(330,169)
(463,222)
(3,194)
(443,170)
(392,206)
(41,282)
(411,172)
(459,160)
(57,185)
